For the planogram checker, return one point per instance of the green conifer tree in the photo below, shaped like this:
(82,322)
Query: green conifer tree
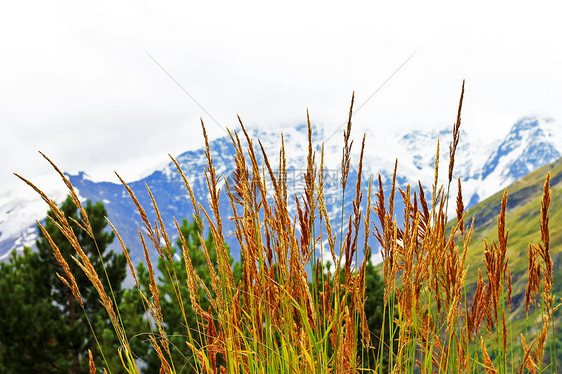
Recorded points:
(176,327)
(31,326)
(51,331)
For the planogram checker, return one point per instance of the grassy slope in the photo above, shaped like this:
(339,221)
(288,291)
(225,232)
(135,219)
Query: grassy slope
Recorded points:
(522,221)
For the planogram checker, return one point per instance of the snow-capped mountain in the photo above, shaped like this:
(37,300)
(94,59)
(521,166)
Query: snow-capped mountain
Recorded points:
(484,166)
(19,208)
(531,142)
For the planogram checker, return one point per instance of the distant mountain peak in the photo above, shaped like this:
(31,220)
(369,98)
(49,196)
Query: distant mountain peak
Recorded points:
(483,165)
(531,123)
(528,146)
(525,123)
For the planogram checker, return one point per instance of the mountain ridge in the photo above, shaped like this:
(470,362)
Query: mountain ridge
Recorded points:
(415,152)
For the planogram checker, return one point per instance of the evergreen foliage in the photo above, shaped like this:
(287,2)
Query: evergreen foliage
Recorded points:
(172,277)
(42,327)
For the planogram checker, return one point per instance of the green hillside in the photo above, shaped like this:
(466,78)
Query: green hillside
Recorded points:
(522,221)
(523,210)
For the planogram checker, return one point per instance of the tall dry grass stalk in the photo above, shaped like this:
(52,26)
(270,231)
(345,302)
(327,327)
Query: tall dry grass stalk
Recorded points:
(288,314)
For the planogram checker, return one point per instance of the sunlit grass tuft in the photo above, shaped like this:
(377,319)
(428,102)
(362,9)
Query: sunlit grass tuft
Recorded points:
(290,313)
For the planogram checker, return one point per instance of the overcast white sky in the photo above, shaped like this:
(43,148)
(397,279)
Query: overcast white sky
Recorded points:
(76,81)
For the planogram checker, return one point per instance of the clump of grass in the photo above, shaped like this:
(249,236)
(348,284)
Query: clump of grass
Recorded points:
(290,314)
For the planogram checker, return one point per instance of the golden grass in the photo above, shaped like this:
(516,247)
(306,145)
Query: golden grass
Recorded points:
(289,315)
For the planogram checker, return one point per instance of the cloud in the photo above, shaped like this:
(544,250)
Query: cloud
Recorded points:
(78,85)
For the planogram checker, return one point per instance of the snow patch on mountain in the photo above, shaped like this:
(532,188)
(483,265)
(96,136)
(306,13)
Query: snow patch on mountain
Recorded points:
(20,207)
(530,144)
(484,166)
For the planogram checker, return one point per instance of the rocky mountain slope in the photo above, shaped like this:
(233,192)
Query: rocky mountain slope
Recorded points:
(484,165)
